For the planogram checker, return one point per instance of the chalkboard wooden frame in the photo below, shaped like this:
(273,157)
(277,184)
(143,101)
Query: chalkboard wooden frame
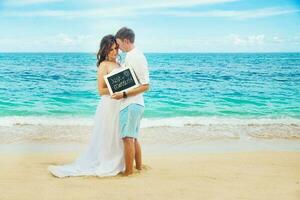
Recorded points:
(131,75)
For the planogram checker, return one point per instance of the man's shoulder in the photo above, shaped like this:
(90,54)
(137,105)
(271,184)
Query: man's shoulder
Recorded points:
(137,56)
(135,53)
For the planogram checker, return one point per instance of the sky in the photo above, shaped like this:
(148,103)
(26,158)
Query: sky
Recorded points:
(160,26)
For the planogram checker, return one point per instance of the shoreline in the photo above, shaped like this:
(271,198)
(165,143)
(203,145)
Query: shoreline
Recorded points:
(185,134)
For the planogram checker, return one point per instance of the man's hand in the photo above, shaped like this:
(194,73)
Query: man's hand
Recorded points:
(117,95)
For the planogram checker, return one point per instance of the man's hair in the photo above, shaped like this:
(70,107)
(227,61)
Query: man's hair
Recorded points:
(125,33)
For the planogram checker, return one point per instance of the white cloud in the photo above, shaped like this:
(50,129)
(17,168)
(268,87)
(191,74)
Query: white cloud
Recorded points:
(65,39)
(260,40)
(229,43)
(132,8)
(154,8)
(176,3)
(265,12)
(68,40)
(247,40)
(245,14)
(65,42)
(27,2)
(61,42)
(277,39)
(103,13)
(296,38)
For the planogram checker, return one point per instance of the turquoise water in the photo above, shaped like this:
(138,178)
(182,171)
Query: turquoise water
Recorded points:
(262,85)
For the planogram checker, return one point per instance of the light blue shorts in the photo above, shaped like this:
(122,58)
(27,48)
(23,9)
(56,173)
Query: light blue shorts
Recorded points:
(130,118)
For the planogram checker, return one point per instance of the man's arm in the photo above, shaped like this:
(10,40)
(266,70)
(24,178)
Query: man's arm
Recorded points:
(132,92)
(140,66)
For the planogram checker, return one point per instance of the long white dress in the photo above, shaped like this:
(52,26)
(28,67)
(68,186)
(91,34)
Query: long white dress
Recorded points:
(104,155)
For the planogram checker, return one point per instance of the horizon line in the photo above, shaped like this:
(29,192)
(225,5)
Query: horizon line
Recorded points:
(163,52)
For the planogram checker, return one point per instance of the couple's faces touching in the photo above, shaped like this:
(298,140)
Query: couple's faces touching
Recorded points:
(114,50)
(123,44)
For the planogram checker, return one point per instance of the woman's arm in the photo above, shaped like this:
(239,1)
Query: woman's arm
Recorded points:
(102,89)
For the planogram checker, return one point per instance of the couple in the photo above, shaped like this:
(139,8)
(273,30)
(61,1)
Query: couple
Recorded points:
(114,145)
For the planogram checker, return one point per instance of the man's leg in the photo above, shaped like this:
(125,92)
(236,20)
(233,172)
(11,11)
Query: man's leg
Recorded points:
(138,155)
(129,152)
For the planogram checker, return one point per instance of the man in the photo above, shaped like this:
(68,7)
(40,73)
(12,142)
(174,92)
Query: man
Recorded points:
(132,103)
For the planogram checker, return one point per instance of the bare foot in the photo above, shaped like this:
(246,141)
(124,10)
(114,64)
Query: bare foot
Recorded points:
(126,173)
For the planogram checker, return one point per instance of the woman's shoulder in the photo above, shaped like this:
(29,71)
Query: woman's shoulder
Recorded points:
(107,63)
(104,65)
(108,66)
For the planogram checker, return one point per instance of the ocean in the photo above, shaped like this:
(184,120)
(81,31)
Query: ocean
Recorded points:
(187,90)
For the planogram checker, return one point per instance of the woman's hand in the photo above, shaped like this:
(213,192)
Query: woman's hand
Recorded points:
(117,95)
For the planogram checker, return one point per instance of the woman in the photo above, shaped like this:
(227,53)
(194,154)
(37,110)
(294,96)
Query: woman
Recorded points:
(104,155)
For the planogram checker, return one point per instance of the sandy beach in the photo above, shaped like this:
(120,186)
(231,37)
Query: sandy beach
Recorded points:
(233,175)
(191,162)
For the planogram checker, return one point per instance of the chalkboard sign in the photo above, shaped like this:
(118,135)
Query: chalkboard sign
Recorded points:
(121,80)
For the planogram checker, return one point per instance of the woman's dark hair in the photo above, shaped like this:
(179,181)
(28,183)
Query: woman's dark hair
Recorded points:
(105,45)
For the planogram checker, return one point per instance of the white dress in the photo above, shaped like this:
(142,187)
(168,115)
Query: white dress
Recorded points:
(104,155)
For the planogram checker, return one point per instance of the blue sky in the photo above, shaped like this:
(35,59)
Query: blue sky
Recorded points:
(160,26)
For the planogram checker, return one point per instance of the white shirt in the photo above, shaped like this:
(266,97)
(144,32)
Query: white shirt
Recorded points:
(137,61)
